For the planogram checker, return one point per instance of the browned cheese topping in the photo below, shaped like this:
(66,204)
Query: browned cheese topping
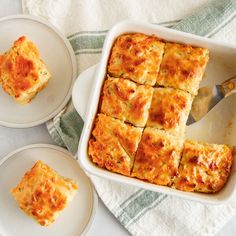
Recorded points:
(204,167)
(126,100)
(42,193)
(136,57)
(113,144)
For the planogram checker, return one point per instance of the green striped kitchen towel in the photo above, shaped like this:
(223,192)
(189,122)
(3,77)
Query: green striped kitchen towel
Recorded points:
(86,24)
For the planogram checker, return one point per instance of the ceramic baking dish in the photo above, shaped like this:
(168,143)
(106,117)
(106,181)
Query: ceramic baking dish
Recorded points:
(219,126)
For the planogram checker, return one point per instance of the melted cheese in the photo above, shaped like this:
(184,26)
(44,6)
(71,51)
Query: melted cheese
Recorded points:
(136,57)
(169,110)
(183,67)
(114,144)
(126,100)
(42,193)
(22,73)
(157,157)
(204,167)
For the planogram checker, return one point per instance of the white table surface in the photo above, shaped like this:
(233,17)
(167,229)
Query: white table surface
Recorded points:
(11,139)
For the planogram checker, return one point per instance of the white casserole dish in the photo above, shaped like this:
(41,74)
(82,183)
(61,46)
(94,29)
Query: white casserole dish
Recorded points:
(219,126)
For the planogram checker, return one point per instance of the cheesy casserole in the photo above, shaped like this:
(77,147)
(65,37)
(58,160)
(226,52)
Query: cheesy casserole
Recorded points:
(144,106)
(43,194)
(22,72)
(126,100)
(136,57)
(204,167)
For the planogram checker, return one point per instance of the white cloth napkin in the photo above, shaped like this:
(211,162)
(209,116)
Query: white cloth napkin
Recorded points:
(85,23)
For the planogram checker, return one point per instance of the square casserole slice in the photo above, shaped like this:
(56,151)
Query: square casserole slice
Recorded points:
(22,73)
(204,167)
(158,157)
(136,57)
(43,194)
(113,144)
(126,100)
(183,67)
(169,110)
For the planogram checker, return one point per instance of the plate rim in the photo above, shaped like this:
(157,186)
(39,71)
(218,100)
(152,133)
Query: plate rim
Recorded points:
(57,148)
(74,71)
(75,100)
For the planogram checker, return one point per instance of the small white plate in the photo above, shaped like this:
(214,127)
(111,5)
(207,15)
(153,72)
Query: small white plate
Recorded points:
(74,219)
(85,81)
(57,53)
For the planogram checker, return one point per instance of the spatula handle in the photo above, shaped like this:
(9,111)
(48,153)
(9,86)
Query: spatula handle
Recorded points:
(229,86)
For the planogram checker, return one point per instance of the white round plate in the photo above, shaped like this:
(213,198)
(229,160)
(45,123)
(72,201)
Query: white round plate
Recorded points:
(73,220)
(82,89)
(58,55)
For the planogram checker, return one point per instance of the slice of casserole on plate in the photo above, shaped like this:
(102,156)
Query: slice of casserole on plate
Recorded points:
(158,157)
(23,74)
(43,194)
(126,100)
(113,144)
(136,57)
(204,167)
(183,67)
(169,110)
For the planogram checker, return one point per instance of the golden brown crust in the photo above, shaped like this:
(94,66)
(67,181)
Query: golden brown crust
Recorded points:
(114,144)
(169,110)
(157,157)
(126,100)
(182,67)
(204,167)
(42,193)
(22,72)
(136,57)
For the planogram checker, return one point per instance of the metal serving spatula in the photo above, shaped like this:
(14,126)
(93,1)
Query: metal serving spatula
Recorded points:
(208,97)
